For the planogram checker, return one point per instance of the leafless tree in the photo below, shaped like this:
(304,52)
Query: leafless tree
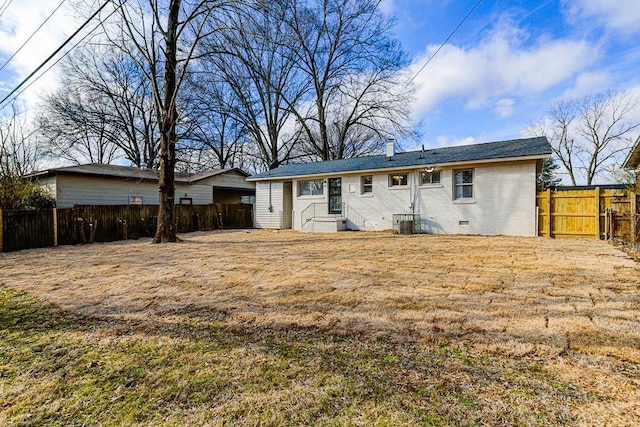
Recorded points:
(357,95)
(103,110)
(255,61)
(589,135)
(212,137)
(20,151)
(162,37)
(75,128)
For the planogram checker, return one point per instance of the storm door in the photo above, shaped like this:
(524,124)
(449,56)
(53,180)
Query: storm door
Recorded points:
(335,195)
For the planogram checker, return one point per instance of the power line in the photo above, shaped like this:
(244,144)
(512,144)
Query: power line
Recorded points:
(72,47)
(4,6)
(444,42)
(66,42)
(31,36)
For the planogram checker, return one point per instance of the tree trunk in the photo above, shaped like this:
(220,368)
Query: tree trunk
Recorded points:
(166,231)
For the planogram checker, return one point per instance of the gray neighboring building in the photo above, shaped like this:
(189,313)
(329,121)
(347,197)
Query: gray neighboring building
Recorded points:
(98,184)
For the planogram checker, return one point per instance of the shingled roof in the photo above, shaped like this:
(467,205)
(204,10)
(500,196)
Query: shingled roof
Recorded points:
(127,172)
(516,148)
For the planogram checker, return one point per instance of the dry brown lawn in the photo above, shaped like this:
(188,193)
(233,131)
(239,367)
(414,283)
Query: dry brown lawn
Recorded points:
(519,331)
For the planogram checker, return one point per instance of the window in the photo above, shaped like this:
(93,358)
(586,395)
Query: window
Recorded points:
(367,184)
(463,184)
(186,201)
(310,188)
(429,178)
(398,179)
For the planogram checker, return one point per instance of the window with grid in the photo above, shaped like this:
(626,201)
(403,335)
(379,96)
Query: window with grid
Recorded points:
(429,178)
(463,184)
(366,184)
(398,180)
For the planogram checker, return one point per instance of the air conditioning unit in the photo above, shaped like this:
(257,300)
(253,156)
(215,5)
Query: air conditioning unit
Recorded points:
(406,223)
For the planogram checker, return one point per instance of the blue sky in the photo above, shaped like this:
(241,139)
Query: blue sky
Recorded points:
(512,59)
(500,71)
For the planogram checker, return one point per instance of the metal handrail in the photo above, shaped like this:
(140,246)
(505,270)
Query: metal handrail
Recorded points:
(318,210)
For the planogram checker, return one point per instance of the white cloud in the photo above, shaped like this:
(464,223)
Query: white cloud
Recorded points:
(504,107)
(503,65)
(588,82)
(620,15)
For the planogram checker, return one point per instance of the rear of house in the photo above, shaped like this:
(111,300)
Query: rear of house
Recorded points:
(485,189)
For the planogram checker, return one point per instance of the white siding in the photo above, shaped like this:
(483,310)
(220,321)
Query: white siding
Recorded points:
(86,190)
(269,193)
(503,202)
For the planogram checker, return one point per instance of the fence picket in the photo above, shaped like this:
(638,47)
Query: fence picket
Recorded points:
(48,227)
(582,213)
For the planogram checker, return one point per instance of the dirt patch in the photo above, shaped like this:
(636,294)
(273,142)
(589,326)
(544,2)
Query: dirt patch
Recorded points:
(572,306)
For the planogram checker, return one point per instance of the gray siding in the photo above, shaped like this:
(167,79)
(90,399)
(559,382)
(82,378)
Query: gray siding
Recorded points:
(86,190)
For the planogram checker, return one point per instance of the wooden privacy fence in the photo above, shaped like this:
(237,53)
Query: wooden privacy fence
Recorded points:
(604,212)
(93,223)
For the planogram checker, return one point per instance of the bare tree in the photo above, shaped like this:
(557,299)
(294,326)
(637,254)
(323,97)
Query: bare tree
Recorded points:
(103,110)
(76,128)
(20,151)
(162,37)
(607,128)
(213,136)
(20,155)
(589,135)
(352,63)
(256,62)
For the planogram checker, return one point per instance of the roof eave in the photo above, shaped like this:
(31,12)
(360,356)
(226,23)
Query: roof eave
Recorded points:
(364,171)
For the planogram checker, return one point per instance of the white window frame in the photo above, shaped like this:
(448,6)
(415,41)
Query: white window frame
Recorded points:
(364,186)
(393,175)
(311,194)
(430,182)
(463,185)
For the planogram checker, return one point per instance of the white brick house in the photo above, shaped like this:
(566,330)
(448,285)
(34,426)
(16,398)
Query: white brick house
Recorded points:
(485,189)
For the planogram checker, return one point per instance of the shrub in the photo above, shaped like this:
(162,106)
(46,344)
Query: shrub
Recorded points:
(16,193)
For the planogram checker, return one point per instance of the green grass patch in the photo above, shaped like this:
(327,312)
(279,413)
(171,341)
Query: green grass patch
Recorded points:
(62,369)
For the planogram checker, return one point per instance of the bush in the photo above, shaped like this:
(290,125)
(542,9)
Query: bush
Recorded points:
(16,194)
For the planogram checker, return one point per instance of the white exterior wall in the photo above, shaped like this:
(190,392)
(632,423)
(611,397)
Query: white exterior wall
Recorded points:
(85,190)
(504,201)
(269,192)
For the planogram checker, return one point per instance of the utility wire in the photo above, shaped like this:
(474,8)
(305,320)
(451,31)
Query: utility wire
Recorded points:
(67,52)
(66,42)
(31,36)
(444,42)
(4,6)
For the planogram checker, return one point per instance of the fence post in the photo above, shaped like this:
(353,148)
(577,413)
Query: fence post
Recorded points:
(55,227)
(549,213)
(597,200)
(1,235)
(633,219)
